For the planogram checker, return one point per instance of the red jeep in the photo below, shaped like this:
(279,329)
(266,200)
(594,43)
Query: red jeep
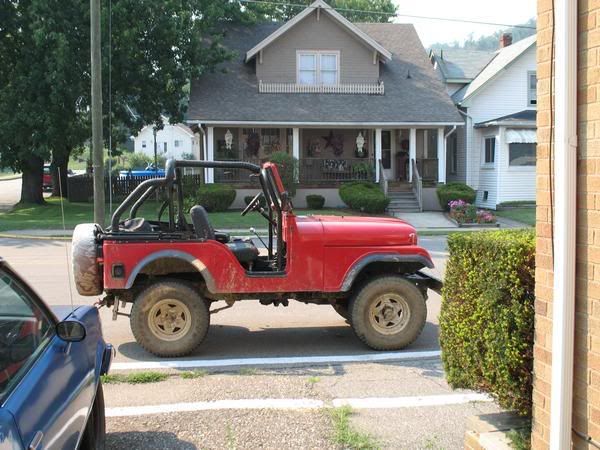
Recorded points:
(367,268)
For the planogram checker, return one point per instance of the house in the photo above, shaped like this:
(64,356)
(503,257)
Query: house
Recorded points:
(350,101)
(172,141)
(566,369)
(494,152)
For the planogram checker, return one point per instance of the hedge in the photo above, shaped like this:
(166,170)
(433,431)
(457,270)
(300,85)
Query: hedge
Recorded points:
(315,201)
(454,191)
(486,319)
(364,196)
(214,197)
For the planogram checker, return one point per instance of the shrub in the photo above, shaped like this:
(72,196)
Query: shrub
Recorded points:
(314,201)
(248,199)
(139,161)
(464,212)
(364,196)
(214,197)
(486,320)
(454,191)
(288,167)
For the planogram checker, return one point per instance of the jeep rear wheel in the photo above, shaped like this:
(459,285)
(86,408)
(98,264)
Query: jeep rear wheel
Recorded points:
(388,313)
(169,318)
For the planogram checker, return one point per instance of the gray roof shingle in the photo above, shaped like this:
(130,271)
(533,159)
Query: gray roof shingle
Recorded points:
(462,64)
(413,92)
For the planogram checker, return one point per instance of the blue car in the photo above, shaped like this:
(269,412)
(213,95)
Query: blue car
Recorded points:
(51,360)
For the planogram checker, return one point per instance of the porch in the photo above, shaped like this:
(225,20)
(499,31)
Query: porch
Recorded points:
(328,156)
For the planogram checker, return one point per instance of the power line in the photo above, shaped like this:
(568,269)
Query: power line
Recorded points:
(394,14)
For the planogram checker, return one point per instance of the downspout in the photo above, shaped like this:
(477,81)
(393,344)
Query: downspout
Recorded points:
(565,189)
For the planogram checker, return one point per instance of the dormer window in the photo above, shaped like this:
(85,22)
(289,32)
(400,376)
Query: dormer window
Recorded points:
(318,67)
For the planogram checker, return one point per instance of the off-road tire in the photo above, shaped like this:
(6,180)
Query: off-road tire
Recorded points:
(199,317)
(94,435)
(342,310)
(365,297)
(86,271)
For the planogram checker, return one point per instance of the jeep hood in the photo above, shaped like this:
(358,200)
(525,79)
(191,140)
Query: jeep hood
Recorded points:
(363,231)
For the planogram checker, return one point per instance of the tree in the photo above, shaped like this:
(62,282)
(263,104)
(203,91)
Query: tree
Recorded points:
(45,81)
(353,10)
(490,42)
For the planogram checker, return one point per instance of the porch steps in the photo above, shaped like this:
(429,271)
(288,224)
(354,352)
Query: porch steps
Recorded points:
(402,201)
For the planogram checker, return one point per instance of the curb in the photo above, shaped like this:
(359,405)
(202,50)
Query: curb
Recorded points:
(10,178)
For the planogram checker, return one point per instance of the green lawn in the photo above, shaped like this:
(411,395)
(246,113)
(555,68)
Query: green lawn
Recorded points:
(49,217)
(523,215)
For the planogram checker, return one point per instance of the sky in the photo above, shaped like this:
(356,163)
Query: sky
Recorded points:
(430,31)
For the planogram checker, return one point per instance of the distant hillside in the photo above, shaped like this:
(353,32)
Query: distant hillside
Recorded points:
(491,41)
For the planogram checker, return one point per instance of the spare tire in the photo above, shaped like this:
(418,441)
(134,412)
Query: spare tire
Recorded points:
(86,271)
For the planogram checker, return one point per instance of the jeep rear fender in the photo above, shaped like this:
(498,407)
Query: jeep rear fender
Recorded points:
(172,254)
(417,261)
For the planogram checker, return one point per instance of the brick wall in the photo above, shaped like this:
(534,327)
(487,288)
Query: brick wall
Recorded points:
(586,403)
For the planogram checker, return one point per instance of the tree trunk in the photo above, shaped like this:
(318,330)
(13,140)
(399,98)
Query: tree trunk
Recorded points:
(31,184)
(60,161)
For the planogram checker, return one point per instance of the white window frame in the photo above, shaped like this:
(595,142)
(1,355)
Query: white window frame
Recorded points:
(317,54)
(143,144)
(531,93)
(483,161)
(177,143)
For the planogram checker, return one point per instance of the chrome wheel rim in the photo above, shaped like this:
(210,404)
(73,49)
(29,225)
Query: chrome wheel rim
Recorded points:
(169,319)
(389,314)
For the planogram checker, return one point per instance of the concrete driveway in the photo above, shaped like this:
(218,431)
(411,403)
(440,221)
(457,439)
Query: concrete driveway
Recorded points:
(10,193)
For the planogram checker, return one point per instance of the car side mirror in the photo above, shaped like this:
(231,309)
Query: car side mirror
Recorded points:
(70,331)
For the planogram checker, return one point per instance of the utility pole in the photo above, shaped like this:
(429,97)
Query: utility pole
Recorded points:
(97,144)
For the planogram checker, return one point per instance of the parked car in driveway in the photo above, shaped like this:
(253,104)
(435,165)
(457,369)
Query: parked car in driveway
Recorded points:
(51,360)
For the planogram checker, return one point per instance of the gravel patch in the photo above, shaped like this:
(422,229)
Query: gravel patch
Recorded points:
(262,429)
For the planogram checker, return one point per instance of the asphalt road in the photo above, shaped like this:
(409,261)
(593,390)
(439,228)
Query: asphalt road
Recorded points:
(246,330)
(250,330)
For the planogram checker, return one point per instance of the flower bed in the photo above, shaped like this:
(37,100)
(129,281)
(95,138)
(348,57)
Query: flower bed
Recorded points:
(465,213)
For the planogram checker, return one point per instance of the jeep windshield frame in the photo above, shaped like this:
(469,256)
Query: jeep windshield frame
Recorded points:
(272,189)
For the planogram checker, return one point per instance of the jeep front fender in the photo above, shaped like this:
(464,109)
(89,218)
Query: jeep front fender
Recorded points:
(395,258)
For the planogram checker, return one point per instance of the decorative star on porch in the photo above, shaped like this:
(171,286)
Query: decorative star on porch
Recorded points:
(329,139)
(335,142)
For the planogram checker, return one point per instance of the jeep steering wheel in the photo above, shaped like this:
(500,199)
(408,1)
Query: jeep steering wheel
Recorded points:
(252,205)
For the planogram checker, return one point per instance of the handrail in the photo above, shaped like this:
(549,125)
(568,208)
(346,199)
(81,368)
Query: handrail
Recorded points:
(383,181)
(417,183)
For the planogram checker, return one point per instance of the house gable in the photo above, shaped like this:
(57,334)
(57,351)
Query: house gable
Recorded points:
(311,35)
(319,8)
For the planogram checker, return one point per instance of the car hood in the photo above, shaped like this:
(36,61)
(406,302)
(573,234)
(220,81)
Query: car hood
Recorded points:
(62,311)
(361,231)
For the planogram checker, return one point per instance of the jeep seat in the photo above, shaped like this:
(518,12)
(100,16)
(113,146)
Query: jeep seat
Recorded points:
(245,252)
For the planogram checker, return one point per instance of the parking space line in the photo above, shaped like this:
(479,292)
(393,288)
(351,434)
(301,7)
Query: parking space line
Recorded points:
(274,361)
(300,403)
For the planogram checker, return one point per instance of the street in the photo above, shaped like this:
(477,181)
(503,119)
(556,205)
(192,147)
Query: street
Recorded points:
(263,352)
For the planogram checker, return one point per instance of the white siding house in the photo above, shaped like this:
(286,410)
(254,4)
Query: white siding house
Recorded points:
(173,141)
(499,107)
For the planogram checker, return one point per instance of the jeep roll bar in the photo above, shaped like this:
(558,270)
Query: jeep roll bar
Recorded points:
(173,176)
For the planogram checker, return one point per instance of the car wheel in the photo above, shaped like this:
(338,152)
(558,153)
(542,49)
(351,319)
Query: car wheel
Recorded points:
(388,313)
(94,436)
(169,318)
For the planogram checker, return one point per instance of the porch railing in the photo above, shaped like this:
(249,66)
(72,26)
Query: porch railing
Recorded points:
(342,88)
(319,170)
(236,176)
(417,184)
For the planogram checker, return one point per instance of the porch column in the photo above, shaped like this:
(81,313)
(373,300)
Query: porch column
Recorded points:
(377,152)
(441,152)
(296,151)
(412,152)
(209,173)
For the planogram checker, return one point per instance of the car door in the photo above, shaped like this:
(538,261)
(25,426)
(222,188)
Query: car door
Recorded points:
(45,383)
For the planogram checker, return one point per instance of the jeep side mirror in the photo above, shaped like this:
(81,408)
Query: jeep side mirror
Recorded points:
(70,331)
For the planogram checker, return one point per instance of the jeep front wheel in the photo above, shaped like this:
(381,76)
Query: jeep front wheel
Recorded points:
(388,313)
(169,318)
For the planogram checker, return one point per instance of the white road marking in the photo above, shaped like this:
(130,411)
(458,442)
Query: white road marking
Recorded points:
(411,402)
(300,403)
(275,361)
